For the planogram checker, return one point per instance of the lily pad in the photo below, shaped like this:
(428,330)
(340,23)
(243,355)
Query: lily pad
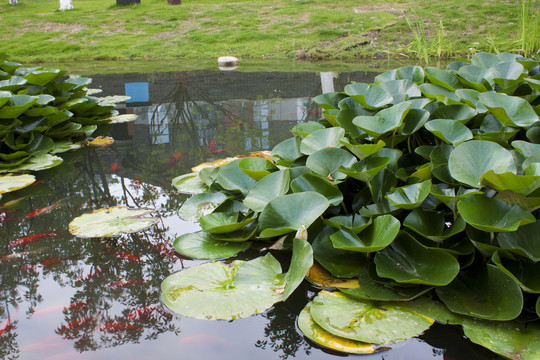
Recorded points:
(111,222)
(301,262)
(313,182)
(315,333)
(410,196)
(366,321)
(189,184)
(10,183)
(484,292)
(492,215)
(321,139)
(451,131)
(36,163)
(123,118)
(217,291)
(101,141)
(509,339)
(287,213)
(407,261)
(523,241)
(221,223)
(472,159)
(327,161)
(520,184)
(201,204)
(201,245)
(370,96)
(270,187)
(320,277)
(510,110)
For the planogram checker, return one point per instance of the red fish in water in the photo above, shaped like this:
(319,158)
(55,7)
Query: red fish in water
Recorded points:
(93,274)
(6,326)
(212,144)
(52,261)
(127,256)
(142,313)
(75,324)
(114,166)
(19,255)
(42,210)
(30,266)
(115,326)
(123,283)
(32,238)
(218,151)
(177,156)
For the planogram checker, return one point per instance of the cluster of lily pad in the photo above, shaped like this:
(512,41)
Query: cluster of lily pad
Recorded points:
(43,112)
(423,187)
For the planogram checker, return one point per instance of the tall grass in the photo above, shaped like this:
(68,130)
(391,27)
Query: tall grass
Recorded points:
(419,44)
(529,21)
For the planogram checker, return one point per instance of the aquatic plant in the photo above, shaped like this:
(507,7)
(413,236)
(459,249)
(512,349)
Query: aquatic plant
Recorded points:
(423,188)
(43,112)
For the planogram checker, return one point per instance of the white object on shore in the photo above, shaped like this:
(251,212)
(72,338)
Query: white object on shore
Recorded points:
(66,5)
(228,63)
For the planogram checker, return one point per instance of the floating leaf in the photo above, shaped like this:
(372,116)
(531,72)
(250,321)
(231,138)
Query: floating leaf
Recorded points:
(493,215)
(523,241)
(524,273)
(320,277)
(365,170)
(101,141)
(189,184)
(219,291)
(301,262)
(442,78)
(407,261)
(366,321)
(322,337)
(200,204)
(369,289)
(472,159)
(37,163)
(287,151)
(327,161)
(520,184)
(124,118)
(375,237)
(213,164)
(10,183)
(510,110)
(270,187)
(355,223)
(370,96)
(321,139)
(329,100)
(509,339)
(111,222)
(201,245)
(288,212)
(432,225)
(313,182)
(221,223)
(410,196)
(385,121)
(256,168)
(451,131)
(485,292)
(231,177)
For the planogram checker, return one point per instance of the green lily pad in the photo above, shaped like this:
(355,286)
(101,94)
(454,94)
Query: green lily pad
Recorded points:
(329,100)
(369,289)
(315,333)
(36,163)
(217,291)
(200,204)
(525,147)
(313,182)
(386,120)
(111,222)
(440,93)
(301,262)
(370,96)
(287,151)
(366,321)
(270,187)
(509,339)
(484,292)
(18,104)
(435,310)
(256,168)
(327,161)
(451,131)
(407,261)
(201,245)
(123,118)
(524,273)
(189,184)
(510,110)
(43,77)
(472,159)
(10,183)
(492,215)
(354,222)
(365,170)
(400,90)
(287,213)
(304,129)
(413,121)
(442,78)
(375,237)
(523,241)
(410,196)
(231,177)
(475,77)
(321,139)
(520,184)
(221,223)
(432,225)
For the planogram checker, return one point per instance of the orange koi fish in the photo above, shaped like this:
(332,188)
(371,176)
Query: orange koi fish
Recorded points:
(126,256)
(30,267)
(142,313)
(114,166)
(177,156)
(123,283)
(93,274)
(6,326)
(115,326)
(32,238)
(212,144)
(218,151)
(42,211)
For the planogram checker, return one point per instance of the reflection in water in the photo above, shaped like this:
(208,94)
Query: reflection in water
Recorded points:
(63,297)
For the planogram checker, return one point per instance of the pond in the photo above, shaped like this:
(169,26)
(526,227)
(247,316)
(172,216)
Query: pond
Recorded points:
(64,297)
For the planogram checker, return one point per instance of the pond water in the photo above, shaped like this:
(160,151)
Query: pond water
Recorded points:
(65,297)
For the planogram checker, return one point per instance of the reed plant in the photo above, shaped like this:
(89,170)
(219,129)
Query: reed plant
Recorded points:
(529,21)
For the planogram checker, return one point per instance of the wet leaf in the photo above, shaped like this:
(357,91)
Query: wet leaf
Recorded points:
(101,141)
(201,245)
(10,182)
(111,222)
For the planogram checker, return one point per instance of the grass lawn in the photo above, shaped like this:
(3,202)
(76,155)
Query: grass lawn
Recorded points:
(35,31)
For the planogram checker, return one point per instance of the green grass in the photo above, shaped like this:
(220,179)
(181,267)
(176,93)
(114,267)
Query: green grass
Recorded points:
(35,31)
